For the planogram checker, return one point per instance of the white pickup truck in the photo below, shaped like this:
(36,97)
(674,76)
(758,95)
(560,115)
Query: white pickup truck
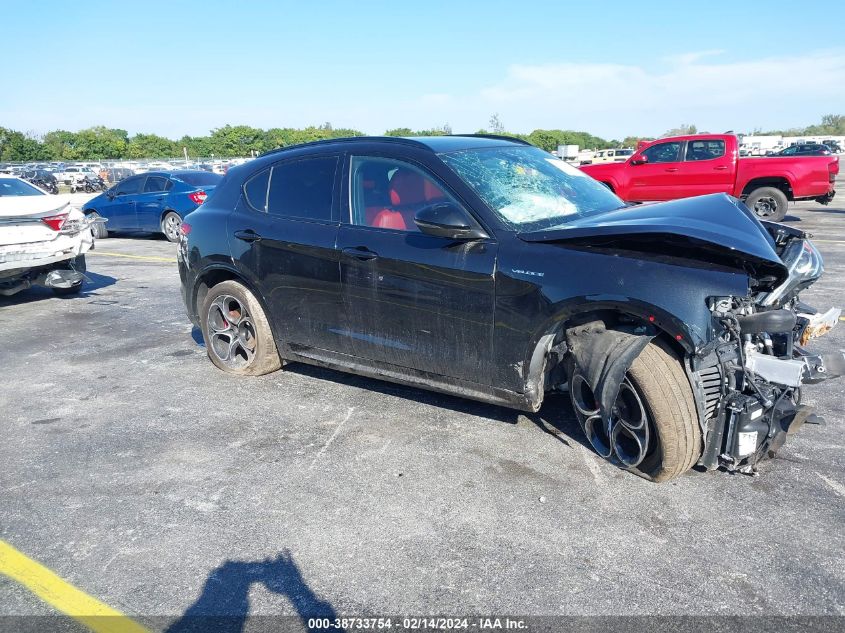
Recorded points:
(43,239)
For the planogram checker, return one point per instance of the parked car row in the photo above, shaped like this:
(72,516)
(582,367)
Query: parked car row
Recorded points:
(111,172)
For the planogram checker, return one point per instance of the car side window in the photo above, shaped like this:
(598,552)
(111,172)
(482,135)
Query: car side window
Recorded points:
(663,152)
(128,186)
(789,151)
(386,193)
(303,189)
(155,184)
(255,190)
(705,150)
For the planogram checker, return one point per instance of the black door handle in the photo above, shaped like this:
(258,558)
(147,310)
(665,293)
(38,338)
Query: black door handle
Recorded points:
(248,236)
(360,252)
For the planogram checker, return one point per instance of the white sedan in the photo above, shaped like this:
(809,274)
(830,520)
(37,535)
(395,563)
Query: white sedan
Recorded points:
(43,239)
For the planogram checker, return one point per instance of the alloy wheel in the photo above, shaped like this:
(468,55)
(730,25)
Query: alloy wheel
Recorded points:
(231,332)
(625,436)
(172,224)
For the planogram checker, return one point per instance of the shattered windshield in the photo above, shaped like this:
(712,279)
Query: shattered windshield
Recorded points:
(529,188)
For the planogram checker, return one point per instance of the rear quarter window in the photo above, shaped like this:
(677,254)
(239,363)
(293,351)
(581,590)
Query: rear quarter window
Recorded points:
(255,190)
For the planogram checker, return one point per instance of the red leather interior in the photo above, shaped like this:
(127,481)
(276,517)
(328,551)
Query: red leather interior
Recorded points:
(433,193)
(408,192)
(389,219)
(406,188)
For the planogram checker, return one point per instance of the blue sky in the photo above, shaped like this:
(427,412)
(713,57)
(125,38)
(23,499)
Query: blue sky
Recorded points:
(611,68)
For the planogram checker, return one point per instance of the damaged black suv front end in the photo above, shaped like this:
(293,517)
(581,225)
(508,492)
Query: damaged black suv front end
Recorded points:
(749,377)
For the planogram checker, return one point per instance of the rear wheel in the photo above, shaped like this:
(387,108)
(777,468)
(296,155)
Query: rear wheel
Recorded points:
(170,225)
(652,429)
(236,332)
(768,203)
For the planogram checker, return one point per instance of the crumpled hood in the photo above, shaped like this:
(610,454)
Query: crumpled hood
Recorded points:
(716,225)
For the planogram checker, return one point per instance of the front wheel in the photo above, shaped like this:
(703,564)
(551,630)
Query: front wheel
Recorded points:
(170,225)
(237,334)
(652,429)
(768,203)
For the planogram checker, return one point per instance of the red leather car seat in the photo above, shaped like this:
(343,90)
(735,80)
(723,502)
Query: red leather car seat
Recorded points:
(409,191)
(407,188)
(390,219)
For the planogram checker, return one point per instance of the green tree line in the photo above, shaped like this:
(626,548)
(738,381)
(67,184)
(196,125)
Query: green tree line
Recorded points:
(101,142)
(831,125)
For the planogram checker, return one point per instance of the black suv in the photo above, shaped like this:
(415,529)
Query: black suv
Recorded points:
(485,267)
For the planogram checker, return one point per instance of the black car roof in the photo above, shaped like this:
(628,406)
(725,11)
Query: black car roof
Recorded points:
(450,143)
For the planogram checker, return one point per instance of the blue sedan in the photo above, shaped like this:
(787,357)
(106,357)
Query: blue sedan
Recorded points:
(154,202)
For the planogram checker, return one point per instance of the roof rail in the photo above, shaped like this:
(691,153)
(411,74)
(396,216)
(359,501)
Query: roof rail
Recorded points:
(500,137)
(358,139)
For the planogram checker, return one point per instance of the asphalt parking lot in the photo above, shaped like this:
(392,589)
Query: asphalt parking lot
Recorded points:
(140,474)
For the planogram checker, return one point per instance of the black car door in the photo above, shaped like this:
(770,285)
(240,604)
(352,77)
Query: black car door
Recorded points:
(409,299)
(282,235)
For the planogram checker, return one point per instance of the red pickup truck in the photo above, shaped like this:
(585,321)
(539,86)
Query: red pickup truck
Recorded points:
(684,166)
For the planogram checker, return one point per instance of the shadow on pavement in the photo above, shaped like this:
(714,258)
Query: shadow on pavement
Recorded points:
(556,417)
(93,282)
(223,606)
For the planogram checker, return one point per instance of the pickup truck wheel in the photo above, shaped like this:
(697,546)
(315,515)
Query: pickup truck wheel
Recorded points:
(237,334)
(99,228)
(653,428)
(768,203)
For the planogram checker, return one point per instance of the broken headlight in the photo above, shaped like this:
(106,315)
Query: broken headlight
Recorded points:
(805,265)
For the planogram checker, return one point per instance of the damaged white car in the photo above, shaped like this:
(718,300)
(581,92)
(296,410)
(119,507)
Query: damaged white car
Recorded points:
(43,240)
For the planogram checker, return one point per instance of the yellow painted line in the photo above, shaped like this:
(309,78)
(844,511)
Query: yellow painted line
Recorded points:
(169,260)
(828,241)
(63,596)
(842,318)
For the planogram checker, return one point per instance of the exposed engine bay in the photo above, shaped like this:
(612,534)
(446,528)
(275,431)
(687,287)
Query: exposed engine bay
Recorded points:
(749,378)
(746,380)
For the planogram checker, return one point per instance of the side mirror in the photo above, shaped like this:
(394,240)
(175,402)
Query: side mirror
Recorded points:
(446,219)
(639,159)
(111,194)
